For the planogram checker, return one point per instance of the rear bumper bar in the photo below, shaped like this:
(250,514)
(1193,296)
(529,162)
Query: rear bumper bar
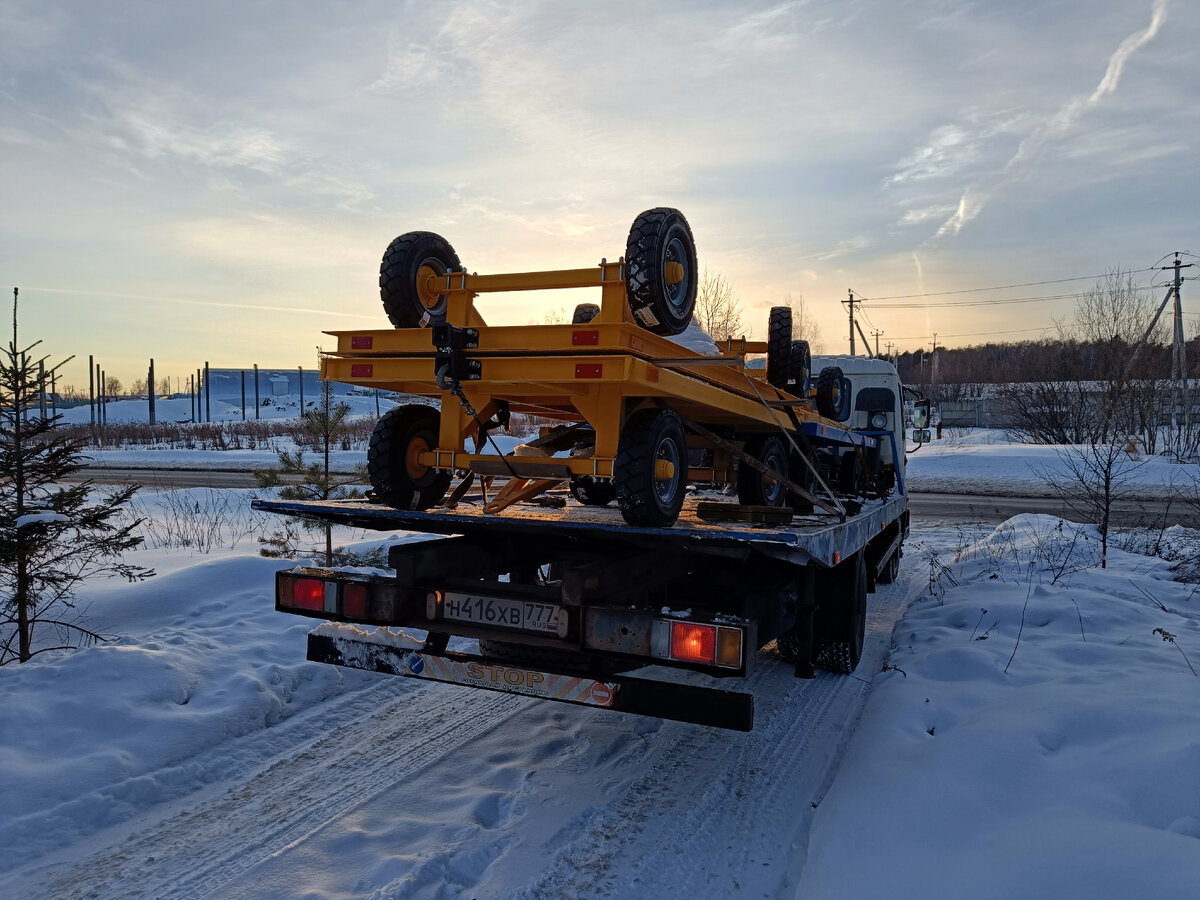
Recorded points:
(641,696)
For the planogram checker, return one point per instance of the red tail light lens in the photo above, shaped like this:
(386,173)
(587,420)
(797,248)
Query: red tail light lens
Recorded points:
(354,600)
(308,593)
(693,643)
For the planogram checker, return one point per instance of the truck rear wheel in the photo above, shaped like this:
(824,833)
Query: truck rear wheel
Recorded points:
(755,488)
(891,569)
(651,468)
(840,624)
(660,271)
(403,273)
(779,346)
(398,478)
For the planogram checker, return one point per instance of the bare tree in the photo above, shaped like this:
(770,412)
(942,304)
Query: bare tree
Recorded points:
(1095,476)
(112,386)
(804,323)
(1082,387)
(718,310)
(324,425)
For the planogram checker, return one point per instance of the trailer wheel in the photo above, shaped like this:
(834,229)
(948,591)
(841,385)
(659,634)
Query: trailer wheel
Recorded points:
(651,468)
(397,478)
(799,368)
(584,313)
(830,392)
(841,622)
(593,492)
(660,271)
(407,263)
(755,488)
(779,345)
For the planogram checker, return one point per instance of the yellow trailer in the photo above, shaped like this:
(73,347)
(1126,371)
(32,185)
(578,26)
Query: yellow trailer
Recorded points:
(637,410)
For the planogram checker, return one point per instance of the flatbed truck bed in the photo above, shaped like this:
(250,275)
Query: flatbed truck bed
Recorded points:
(569,603)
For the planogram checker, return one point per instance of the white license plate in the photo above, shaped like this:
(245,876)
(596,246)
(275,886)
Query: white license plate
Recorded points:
(522,615)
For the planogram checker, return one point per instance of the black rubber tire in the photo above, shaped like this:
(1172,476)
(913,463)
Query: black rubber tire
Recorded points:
(799,369)
(753,487)
(788,646)
(830,390)
(891,569)
(396,480)
(584,313)
(657,237)
(593,492)
(839,627)
(779,346)
(648,436)
(402,261)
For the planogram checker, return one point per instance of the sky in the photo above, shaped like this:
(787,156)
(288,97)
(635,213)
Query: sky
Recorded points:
(217,182)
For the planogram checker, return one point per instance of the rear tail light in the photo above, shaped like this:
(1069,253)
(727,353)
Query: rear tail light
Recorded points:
(308,593)
(691,642)
(337,598)
(698,642)
(354,601)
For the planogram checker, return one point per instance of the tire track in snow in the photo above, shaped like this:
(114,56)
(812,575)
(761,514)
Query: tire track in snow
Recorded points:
(205,844)
(720,814)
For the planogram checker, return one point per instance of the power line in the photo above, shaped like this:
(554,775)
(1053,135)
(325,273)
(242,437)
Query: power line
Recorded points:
(956,303)
(922,337)
(1000,287)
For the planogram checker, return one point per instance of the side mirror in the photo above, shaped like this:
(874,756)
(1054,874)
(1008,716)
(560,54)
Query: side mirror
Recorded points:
(920,420)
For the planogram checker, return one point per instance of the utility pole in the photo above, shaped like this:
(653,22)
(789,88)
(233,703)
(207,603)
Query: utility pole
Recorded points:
(852,353)
(933,365)
(877,333)
(1179,373)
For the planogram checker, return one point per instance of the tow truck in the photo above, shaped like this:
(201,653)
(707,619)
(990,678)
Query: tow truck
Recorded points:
(679,508)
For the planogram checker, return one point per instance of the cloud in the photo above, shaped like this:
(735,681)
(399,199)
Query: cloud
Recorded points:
(973,200)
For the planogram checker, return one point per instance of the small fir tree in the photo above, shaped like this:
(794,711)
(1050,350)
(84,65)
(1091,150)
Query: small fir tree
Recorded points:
(325,425)
(51,535)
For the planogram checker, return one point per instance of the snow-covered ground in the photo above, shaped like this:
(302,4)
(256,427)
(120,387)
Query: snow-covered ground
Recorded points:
(1032,734)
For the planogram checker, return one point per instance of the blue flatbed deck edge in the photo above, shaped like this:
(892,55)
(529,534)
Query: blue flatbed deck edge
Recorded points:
(822,539)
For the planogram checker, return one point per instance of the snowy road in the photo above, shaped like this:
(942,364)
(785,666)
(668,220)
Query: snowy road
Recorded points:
(406,789)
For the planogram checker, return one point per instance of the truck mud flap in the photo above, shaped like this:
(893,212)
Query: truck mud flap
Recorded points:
(663,700)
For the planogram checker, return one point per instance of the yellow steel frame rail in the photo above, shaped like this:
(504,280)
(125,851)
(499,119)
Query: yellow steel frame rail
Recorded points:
(598,372)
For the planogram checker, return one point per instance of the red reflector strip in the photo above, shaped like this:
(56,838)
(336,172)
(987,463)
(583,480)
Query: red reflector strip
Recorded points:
(589,370)
(308,593)
(354,600)
(693,643)
(362,371)
(362,342)
(585,338)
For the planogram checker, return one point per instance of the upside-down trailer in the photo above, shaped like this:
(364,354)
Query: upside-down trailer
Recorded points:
(589,602)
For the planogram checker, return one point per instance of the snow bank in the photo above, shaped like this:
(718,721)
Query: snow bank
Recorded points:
(1072,774)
